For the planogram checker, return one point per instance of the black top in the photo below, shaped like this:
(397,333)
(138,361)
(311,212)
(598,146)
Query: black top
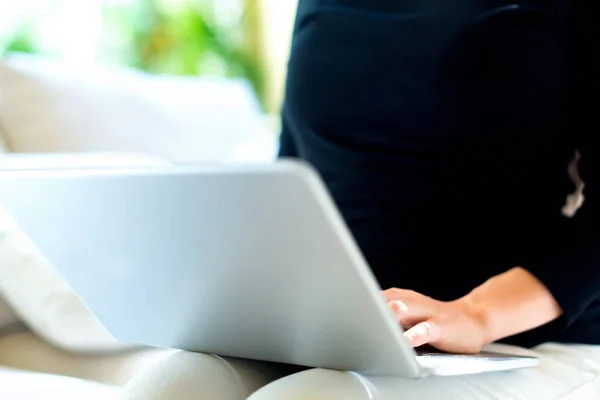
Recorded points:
(440,129)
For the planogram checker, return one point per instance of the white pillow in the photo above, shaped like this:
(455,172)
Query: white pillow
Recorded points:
(38,294)
(52,106)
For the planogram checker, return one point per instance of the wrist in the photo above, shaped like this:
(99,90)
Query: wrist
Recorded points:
(480,314)
(509,304)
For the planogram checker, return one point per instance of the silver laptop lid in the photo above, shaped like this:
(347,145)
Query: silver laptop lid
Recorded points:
(252,262)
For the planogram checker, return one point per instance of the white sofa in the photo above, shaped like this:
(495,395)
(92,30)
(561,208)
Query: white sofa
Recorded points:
(53,114)
(58,115)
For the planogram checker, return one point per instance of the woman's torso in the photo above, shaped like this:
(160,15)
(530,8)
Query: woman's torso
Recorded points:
(439,138)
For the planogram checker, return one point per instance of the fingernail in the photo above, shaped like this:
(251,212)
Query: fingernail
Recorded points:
(398,306)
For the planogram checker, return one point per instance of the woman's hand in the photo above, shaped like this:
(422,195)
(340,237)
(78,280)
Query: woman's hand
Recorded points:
(507,304)
(454,327)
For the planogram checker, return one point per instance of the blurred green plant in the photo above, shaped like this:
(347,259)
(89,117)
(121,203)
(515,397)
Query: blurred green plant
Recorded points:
(21,41)
(183,37)
(188,39)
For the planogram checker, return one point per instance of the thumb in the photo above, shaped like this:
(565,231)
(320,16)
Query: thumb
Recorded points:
(423,333)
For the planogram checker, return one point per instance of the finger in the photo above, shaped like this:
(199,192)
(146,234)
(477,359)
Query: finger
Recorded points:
(397,294)
(400,310)
(410,313)
(423,333)
(398,307)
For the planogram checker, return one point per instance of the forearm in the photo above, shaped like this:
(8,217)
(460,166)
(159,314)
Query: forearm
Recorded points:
(511,303)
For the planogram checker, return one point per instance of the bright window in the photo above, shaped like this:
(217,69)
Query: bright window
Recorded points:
(247,38)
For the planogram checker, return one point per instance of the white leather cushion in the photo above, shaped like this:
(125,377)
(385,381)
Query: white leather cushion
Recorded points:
(38,294)
(20,385)
(183,375)
(52,106)
(566,372)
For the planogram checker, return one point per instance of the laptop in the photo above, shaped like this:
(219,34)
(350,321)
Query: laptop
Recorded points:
(250,261)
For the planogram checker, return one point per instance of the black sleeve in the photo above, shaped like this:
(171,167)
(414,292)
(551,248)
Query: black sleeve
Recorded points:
(571,267)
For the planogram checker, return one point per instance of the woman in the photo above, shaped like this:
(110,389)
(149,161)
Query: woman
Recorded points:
(444,134)
(440,130)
